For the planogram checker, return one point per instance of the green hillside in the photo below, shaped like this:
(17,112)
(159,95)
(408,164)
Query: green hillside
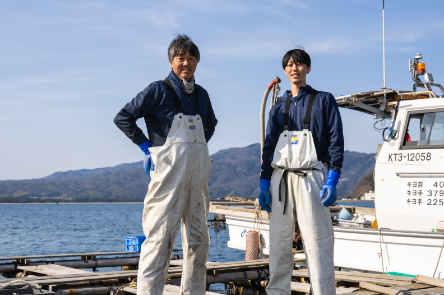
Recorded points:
(234,173)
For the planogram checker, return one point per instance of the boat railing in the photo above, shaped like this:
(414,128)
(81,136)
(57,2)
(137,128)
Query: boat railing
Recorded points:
(428,86)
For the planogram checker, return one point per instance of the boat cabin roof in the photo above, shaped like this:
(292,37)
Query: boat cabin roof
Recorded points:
(373,103)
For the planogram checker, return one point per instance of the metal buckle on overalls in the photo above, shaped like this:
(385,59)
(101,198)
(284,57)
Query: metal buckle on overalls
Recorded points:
(298,171)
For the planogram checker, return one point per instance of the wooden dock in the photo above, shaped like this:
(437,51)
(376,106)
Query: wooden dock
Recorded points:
(247,277)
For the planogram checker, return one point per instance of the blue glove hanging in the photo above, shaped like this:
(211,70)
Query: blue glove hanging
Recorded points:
(330,188)
(147,162)
(264,196)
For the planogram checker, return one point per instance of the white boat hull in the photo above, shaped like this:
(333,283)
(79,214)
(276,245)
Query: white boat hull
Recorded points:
(360,249)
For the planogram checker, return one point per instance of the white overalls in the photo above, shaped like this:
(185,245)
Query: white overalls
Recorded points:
(178,192)
(295,194)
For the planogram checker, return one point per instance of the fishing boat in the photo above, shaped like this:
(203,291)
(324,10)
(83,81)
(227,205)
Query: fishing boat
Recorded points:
(404,233)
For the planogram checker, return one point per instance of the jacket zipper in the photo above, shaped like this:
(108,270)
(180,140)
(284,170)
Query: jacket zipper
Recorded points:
(189,101)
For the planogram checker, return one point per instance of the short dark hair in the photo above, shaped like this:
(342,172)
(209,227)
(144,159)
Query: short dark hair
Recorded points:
(298,55)
(180,45)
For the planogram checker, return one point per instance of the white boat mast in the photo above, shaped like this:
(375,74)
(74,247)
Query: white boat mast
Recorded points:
(383,45)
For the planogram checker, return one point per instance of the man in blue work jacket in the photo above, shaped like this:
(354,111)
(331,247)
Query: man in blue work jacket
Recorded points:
(303,141)
(180,121)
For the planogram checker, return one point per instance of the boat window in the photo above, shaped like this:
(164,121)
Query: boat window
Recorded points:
(437,132)
(425,129)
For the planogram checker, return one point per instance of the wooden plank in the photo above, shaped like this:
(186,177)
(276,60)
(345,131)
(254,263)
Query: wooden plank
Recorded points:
(353,278)
(91,274)
(126,274)
(174,269)
(176,262)
(369,280)
(430,281)
(411,287)
(167,291)
(222,203)
(235,265)
(343,290)
(53,270)
(226,266)
(377,288)
(300,287)
(130,290)
(429,291)
(236,209)
(226,277)
(227,210)
(304,273)
(375,276)
(176,290)
(69,255)
(79,278)
(305,288)
(97,290)
(361,293)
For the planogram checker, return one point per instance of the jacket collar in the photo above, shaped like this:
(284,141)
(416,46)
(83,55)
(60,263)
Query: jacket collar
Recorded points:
(175,80)
(302,91)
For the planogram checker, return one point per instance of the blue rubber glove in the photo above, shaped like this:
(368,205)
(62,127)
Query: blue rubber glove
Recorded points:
(264,196)
(147,162)
(330,188)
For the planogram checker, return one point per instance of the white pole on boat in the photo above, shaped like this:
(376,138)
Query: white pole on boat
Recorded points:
(383,43)
(383,58)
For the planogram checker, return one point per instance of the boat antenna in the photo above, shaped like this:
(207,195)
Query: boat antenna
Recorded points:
(383,45)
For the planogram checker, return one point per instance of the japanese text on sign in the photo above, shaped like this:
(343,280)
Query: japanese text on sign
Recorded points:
(426,192)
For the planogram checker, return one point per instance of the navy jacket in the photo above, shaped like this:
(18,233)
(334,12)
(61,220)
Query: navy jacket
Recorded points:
(325,126)
(155,104)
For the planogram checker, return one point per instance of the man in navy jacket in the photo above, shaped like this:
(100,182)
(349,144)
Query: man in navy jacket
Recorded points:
(180,121)
(303,141)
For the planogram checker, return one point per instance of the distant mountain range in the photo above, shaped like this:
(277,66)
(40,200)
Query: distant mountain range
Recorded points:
(234,173)
(366,184)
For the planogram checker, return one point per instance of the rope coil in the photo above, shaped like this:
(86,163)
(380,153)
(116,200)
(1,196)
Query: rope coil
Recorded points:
(33,286)
(132,284)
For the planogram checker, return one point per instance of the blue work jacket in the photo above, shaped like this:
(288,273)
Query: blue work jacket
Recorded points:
(156,105)
(325,126)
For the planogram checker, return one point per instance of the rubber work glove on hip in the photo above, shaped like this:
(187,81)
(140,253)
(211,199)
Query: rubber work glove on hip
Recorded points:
(147,162)
(264,196)
(330,188)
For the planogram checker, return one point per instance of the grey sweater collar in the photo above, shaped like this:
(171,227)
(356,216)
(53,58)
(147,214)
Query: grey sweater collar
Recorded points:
(188,86)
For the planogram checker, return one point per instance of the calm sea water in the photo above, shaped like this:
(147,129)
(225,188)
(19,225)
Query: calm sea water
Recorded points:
(37,229)
(367,204)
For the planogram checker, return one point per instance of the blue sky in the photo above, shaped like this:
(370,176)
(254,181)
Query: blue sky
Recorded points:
(67,67)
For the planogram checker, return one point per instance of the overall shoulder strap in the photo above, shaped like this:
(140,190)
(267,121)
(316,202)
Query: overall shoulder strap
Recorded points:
(196,99)
(286,114)
(307,118)
(174,95)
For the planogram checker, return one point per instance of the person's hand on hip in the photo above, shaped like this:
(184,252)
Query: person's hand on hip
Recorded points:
(147,162)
